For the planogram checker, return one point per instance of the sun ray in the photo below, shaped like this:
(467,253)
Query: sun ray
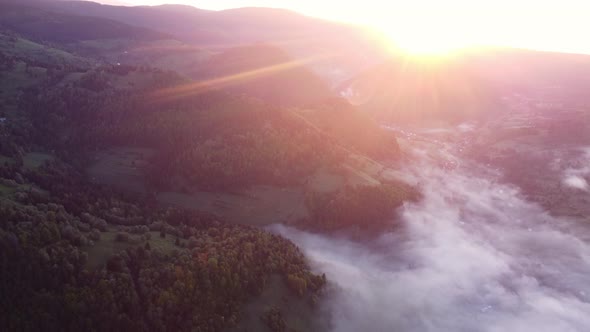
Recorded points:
(194,88)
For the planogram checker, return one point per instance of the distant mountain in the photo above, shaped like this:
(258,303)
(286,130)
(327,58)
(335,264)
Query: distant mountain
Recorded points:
(183,22)
(245,25)
(41,24)
(261,70)
(347,49)
(344,50)
(555,75)
(403,89)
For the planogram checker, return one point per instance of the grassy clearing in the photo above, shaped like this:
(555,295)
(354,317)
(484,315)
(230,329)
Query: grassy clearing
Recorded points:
(99,254)
(4,159)
(326,181)
(121,167)
(355,172)
(6,190)
(259,205)
(33,160)
(358,177)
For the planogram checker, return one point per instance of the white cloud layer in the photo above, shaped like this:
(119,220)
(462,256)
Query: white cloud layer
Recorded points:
(578,170)
(576,182)
(472,256)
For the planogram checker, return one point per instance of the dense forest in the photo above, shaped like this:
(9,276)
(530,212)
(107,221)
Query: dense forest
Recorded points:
(198,284)
(52,217)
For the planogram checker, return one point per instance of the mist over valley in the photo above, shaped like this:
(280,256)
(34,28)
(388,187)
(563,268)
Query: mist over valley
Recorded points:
(170,168)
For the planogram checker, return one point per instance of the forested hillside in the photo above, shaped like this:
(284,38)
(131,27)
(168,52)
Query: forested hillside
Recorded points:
(145,251)
(76,255)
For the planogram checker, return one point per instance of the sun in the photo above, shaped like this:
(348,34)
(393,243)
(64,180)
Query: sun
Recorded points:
(427,46)
(428,43)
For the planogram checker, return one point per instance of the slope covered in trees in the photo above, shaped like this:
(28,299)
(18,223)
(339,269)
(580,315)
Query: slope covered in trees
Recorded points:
(53,218)
(54,222)
(75,255)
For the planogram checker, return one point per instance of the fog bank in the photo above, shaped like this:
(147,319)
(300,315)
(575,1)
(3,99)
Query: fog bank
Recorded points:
(578,170)
(473,255)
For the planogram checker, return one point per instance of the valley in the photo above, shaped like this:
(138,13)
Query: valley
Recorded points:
(168,168)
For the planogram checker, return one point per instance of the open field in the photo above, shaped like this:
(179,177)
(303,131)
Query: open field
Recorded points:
(259,205)
(4,159)
(6,190)
(33,160)
(121,167)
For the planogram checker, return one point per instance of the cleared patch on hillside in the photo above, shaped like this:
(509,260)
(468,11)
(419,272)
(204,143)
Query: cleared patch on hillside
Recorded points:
(259,205)
(336,179)
(6,190)
(325,180)
(33,160)
(121,167)
(4,159)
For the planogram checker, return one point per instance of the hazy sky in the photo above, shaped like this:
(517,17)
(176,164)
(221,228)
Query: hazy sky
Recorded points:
(540,24)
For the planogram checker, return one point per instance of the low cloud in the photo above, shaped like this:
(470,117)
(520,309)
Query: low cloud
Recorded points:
(578,170)
(576,182)
(473,255)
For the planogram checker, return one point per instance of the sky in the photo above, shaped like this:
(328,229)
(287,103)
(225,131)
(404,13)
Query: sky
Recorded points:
(433,25)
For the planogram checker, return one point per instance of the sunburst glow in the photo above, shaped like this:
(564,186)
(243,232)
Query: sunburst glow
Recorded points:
(427,44)
(430,36)
(443,26)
